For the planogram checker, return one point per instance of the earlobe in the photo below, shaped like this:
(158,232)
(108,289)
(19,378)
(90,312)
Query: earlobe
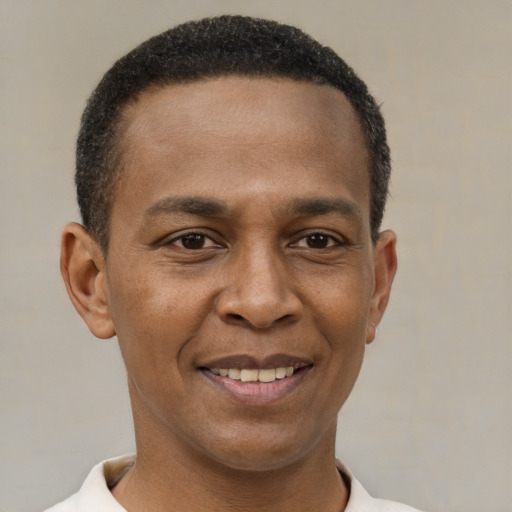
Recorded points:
(82,266)
(385,265)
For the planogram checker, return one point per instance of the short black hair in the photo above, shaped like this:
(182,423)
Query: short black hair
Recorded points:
(212,47)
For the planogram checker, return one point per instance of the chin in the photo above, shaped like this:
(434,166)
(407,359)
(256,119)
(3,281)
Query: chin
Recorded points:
(262,461)
(262,453)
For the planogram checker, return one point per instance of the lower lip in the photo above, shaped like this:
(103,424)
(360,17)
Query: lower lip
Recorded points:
(258,392)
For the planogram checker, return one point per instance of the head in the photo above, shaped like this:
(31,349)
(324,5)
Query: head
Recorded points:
(212,47)
(239,168)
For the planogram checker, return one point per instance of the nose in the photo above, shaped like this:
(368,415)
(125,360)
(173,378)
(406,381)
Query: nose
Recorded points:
(259,294)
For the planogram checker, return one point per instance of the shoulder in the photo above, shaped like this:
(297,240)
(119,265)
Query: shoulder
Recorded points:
(361,501)
(94,495)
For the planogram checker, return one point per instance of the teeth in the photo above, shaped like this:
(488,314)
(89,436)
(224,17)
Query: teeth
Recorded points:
(280,373)
(234,373)
(267,375)
(264,375)
(249,375)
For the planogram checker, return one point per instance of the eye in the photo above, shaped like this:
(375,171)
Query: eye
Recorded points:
(193,241)
(317,241)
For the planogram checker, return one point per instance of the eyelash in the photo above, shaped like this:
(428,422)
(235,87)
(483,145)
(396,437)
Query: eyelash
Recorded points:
(202,238)
(331,240)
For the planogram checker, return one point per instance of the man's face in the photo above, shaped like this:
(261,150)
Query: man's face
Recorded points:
(240,244)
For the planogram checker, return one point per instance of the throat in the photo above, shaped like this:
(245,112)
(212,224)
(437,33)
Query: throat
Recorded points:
(233,490)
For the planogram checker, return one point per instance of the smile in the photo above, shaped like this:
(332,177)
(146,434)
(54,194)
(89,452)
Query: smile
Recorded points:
(256,382)
(245,375)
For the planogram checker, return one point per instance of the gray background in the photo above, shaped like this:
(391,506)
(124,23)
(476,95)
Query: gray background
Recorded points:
(430,420)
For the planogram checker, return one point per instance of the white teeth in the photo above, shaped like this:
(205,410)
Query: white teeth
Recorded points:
(280,373)
(264,375)
(267,375)
(249,375)
(234,373)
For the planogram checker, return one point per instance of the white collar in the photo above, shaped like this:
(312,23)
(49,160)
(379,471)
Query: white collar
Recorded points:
(95,495)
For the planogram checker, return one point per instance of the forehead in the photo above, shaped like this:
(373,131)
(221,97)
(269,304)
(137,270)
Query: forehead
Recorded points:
(208,106)
(240,132)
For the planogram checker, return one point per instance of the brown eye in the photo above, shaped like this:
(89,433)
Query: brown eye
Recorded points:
(193,241)
(318,241)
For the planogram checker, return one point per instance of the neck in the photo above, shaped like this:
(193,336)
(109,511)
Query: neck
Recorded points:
(168,476)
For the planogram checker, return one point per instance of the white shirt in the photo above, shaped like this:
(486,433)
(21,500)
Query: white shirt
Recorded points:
(95,495)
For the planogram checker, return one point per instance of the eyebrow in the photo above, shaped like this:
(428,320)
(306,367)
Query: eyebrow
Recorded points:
(193,205)
(206,207)
(325,205)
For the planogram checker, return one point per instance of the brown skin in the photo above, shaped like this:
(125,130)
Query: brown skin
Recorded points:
(260,282)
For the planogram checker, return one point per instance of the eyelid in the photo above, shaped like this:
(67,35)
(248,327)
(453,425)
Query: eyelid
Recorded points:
(208,242)
(338,239)
(173,239)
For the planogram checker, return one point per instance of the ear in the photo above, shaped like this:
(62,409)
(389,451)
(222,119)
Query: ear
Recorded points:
(385,264)
(82,265)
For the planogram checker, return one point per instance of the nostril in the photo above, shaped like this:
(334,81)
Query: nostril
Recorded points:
(284,318)
(237,319)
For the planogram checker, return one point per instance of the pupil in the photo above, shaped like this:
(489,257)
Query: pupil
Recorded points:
(317,241)
(193,241)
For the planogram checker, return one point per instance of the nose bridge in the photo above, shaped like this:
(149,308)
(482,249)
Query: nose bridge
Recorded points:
(263,275)
(260,291)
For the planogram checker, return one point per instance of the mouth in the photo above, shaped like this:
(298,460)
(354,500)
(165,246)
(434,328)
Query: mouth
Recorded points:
(264,375)
(257,381)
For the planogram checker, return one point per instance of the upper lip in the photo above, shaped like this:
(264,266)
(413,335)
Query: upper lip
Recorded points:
(257,363)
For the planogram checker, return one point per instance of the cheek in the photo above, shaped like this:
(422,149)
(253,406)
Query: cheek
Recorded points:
(154,318)
(342,316)
(342,303)
(148,297)
(346,344)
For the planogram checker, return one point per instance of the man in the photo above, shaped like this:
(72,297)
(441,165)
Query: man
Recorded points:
(232,175)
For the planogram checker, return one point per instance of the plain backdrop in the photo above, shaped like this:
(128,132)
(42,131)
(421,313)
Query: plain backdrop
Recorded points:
(430,420)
